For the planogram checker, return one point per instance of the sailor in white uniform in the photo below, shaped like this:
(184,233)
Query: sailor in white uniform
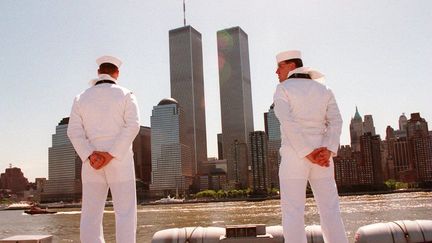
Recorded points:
(310,131)
(103,124)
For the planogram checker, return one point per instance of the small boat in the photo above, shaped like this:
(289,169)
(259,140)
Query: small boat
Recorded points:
(37,210)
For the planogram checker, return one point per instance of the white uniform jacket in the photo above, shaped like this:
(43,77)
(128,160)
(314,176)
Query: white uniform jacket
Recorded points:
(105,118)
(309,116)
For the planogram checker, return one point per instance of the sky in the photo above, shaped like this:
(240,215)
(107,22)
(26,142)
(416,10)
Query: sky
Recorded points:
(376,55)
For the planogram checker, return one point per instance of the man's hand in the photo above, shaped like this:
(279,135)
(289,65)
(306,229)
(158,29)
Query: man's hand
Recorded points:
(96,160)
(312,157)
(99,159)
(320,156)
(324,157)
(107,157)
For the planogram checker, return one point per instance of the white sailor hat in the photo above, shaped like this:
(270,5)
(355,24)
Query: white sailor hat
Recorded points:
(109,59)
(288,55)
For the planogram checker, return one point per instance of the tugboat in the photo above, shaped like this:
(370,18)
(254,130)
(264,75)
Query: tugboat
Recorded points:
(37,210)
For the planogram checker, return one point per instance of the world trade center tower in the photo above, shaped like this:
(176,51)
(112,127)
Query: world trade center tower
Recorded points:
(236,102)
(187,87)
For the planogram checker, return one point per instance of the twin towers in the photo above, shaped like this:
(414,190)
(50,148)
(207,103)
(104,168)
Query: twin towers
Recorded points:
(187,91)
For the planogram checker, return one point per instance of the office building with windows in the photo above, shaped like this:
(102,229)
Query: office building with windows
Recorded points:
(187,87)
(236,102)
(172,171)
(259,164)
(272,129)
(420,147)
(142,158)
(64,168)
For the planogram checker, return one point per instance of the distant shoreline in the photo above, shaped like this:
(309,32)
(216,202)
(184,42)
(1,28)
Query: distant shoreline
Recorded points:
(257,199)
(385,192)
(250,199)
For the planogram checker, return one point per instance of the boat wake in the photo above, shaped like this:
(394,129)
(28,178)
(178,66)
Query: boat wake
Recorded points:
(79,212)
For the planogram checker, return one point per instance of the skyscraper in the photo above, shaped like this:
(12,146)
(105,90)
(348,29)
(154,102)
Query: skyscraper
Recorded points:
(236,99)
(420,147)
(397,153)
(142,156)
(356,130)
(64,168)
(345,166)
(171,157)
(359,128)
(368,125)
(370,168)
(272,129)
(258,155)
(403,122)
(187,87)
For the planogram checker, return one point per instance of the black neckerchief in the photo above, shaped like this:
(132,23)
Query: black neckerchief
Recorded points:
(300,75)
(105,82)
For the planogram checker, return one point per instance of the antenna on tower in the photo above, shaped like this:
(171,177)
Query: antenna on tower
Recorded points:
(184,13)
(10,165)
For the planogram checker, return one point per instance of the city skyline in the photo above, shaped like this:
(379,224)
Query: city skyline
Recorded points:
(375,56)
(404,154)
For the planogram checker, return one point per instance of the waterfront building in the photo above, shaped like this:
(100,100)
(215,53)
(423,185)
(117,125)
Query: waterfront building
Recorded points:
(240,174)
(360,168)
(141,147)
(236,102)
(171,158)
(370,169)
(345,166)
(215,176)
(356,131)
(387,168)
(187,87)
(64,168)
(272,129)
(39,187)
(398,154)
(259,165)
(14,180)
(387,159)
(420,147)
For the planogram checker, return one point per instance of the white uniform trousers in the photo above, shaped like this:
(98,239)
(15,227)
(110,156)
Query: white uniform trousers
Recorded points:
(124,200)
(293,199)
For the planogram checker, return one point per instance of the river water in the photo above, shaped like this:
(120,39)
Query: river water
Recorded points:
(356,211)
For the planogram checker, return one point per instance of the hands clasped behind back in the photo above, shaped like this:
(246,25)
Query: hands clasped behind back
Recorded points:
(320,156)
(99,159)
